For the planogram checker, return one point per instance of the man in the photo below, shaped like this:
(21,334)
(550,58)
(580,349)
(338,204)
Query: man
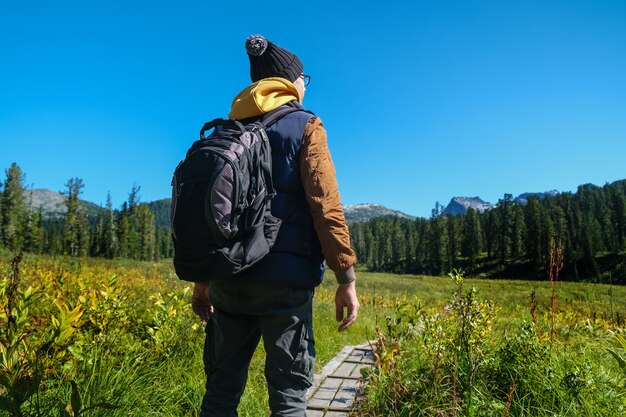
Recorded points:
(273,299)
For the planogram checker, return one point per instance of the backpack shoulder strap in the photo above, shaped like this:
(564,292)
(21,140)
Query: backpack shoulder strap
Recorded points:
(273,116)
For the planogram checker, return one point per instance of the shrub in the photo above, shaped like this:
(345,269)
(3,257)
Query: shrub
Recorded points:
(451,362)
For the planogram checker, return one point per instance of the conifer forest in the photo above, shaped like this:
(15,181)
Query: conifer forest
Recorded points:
(512,240)
(129,232)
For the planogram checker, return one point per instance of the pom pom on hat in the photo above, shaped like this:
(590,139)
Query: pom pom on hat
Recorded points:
(256,45)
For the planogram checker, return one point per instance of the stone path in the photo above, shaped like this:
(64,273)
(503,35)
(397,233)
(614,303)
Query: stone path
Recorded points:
(335,389)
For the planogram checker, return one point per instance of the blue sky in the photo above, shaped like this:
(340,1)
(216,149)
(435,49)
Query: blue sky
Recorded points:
(422,100)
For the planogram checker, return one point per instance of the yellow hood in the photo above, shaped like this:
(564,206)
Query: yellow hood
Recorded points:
(263,96)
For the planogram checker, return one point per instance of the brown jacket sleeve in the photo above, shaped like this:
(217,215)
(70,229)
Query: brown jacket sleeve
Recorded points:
(322,193)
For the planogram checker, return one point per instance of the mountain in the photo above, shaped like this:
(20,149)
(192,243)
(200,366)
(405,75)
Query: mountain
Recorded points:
(460,205)
(364,212)
(52,203)
(523,198)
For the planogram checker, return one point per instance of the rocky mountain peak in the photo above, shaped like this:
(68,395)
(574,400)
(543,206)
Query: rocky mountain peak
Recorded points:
(365,211)
(459,205)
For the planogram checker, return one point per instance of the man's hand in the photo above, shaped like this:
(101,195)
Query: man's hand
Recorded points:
(345,297)
(200,301)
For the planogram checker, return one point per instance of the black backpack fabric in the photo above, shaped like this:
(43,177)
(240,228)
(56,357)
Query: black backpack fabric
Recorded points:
(221,200)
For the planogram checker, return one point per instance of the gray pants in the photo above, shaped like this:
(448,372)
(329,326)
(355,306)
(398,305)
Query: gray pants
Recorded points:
(244,313)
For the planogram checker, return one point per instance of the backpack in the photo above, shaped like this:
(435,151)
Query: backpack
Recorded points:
(221,200)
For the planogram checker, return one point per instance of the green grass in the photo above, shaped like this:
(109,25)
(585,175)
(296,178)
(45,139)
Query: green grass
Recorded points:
(114,358)
(469,359)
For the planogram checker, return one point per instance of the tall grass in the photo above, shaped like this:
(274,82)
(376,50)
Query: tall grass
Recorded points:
(453,361)
(118,338)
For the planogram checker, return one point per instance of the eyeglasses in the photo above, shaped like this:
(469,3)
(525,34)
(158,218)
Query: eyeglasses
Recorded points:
(306,79)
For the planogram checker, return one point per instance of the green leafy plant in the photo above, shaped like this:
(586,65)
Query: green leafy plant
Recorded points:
(473,319)
(19,355)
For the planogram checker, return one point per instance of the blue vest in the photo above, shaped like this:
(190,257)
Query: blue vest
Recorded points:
(296,259)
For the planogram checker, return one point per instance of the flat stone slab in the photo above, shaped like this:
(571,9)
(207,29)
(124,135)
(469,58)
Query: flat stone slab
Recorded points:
(335,388)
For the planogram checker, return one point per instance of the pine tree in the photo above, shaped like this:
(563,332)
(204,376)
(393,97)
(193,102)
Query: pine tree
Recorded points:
(35,232)
(373,255)
(109,233)
(75,229)
(565,201)
(437,210)
(410,237)
(603,216)
(421,247)
(454,240)
(438,262)
(97,233)
(504,228)
(546,236)
(533,211)
(357,239)
(133,237)
(588,237)
(385,246)
(561,232)
(146,232)
(518,231)
(618,217)
(13,208)
(370,248)
(490,231)
(471,244)
(123,231)
(377,255)
(398,244)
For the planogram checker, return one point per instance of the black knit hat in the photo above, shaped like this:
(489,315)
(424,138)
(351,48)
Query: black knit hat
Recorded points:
(270,60)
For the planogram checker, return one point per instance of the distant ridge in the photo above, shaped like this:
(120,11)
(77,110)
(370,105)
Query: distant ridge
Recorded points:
(367,211)
(459,205)
(523,198)
(52,203)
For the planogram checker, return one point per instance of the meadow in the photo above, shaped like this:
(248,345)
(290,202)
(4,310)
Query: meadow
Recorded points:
(92,337)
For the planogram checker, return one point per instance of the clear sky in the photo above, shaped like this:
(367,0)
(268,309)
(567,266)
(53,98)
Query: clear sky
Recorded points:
(422,100)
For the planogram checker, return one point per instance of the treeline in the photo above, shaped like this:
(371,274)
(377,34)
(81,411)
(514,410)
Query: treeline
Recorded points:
(512,239)
(128,232)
